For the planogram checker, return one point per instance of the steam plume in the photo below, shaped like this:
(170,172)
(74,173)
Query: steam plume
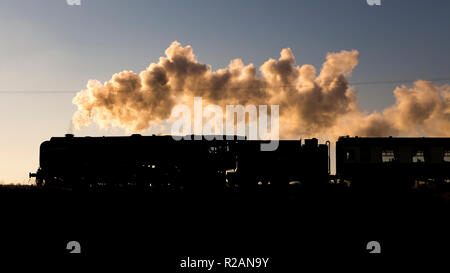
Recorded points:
(310,104)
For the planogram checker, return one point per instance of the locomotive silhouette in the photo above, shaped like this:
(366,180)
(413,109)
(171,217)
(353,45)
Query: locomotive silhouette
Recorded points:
(161,161)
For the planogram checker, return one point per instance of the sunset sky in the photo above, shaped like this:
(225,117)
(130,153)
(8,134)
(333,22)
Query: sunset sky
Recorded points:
(49,50)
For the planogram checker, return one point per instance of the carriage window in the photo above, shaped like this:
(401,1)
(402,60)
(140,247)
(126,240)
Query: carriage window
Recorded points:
(350,155)
(387,156)
(213,150)
(447,155)
(418,157)
(365,154)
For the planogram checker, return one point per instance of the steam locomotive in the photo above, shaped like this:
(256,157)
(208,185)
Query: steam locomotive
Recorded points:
(231,161)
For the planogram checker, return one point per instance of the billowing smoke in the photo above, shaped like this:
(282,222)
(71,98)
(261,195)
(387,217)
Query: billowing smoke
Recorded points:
(422,110)
(310,104)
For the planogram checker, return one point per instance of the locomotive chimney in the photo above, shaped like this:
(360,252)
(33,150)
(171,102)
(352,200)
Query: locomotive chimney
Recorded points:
(69,135)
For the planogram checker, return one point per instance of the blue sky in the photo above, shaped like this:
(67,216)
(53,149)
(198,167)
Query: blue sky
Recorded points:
(50,46)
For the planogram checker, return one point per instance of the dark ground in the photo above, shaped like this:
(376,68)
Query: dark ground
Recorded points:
(157,229)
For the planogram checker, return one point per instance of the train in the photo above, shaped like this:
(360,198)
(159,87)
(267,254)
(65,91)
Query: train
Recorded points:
(235,162)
